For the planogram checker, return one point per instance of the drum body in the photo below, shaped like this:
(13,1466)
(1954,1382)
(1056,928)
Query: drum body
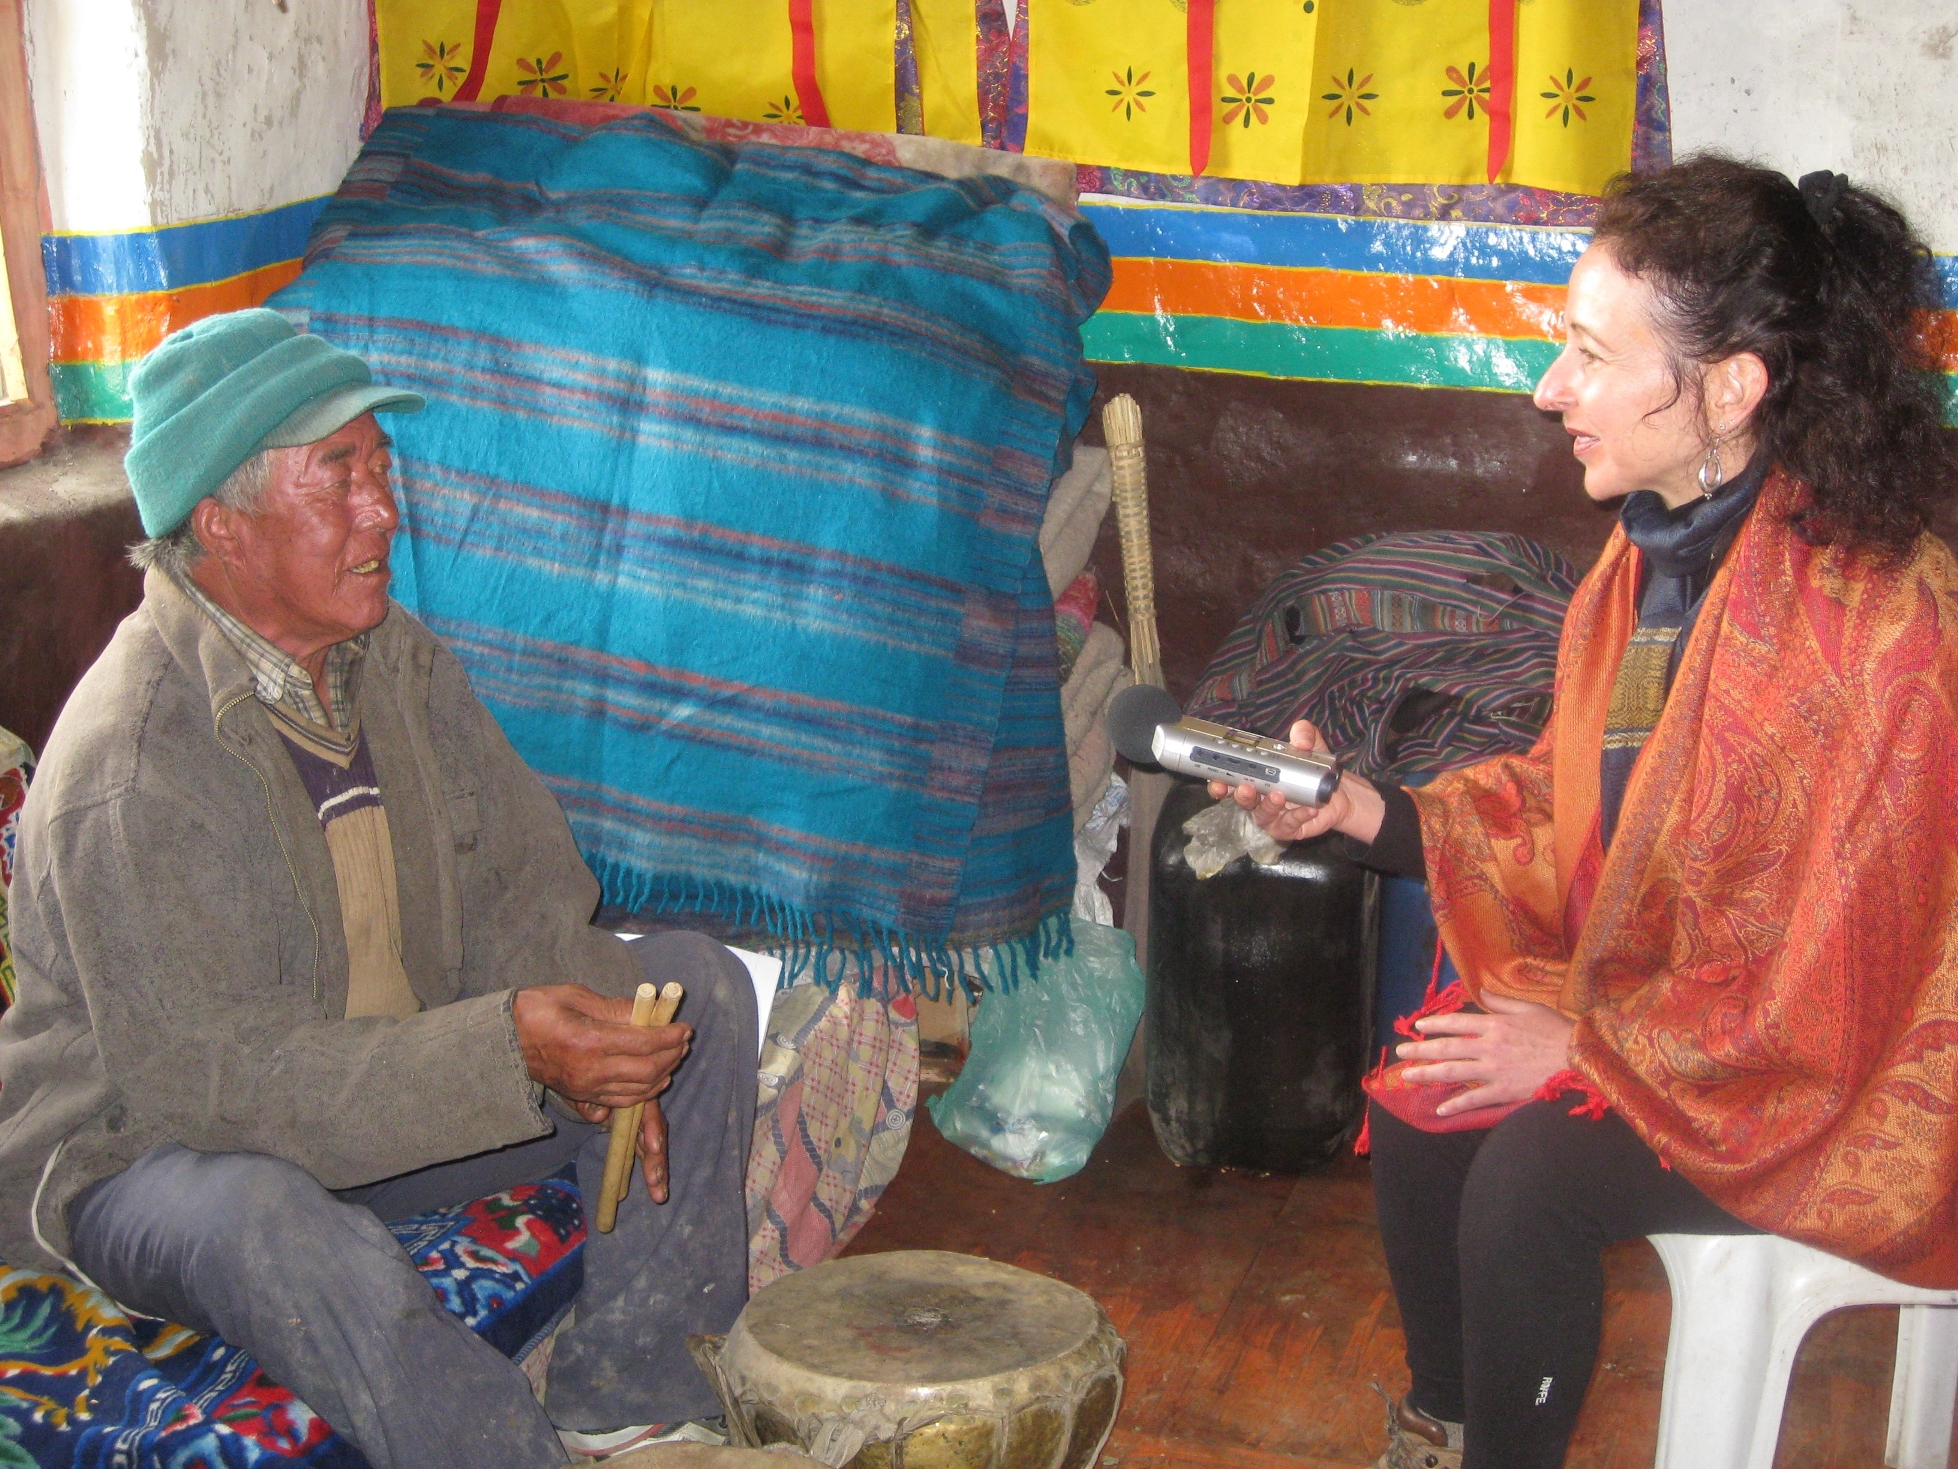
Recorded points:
(920,1359)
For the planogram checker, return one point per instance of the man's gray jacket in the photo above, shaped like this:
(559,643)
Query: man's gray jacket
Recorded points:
(181,963)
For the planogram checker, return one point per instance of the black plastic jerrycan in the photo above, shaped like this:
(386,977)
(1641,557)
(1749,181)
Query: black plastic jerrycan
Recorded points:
(1260,1018)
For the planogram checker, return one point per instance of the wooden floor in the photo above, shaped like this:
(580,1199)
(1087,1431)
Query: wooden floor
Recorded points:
(1258,1315)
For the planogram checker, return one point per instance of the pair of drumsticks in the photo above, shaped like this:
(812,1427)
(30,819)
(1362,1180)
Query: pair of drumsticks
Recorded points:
(651,1006)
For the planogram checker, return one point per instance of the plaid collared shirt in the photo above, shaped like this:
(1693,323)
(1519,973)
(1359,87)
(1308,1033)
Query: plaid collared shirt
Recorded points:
(279,679)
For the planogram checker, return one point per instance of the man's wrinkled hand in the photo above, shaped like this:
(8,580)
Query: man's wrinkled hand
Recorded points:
(583,1047)
(651,1143)
(652,1151)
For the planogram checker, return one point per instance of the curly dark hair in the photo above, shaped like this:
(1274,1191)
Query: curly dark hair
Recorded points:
(1831,292)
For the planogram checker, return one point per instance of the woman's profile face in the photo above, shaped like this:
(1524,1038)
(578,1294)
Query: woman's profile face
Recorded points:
(1630,427)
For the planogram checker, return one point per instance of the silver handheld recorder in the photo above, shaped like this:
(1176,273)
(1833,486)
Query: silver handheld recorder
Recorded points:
(1237,757)
(1147,724)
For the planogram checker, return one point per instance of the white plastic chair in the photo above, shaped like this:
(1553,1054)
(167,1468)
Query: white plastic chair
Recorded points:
(1741,1305)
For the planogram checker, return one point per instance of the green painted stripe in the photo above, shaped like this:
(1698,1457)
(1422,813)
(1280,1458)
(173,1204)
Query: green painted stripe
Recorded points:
(92,392)
(1321,353)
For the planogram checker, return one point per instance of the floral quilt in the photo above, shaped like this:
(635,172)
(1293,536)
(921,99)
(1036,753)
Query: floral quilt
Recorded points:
(84,1385)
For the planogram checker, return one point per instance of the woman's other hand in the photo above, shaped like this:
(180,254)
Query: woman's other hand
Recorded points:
(1355,807)
(1504,1056)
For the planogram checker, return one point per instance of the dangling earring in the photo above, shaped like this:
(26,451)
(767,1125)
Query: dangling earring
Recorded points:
(1710,475)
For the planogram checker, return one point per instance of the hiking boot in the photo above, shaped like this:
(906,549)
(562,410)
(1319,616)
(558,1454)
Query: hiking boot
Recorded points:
(1416,1441)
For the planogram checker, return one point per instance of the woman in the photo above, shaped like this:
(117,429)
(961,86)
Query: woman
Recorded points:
(1711,908)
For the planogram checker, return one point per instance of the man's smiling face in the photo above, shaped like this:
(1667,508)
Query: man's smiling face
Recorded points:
(308,567)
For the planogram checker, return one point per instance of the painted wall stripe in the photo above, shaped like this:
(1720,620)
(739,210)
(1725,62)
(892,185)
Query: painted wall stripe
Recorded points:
(1331,242)
(126,328)
(1434,305)
(1541,256)
(1328,354)
(92,392)
(1396,304)
(176,256)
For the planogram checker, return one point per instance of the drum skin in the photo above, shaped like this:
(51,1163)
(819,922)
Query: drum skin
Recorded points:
(920,1359)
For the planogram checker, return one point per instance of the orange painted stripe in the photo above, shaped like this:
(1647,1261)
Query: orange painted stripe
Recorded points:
(126,328)
(1941,334)
(1426,305)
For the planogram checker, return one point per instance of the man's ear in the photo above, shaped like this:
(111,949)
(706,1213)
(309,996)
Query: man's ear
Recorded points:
(217,528)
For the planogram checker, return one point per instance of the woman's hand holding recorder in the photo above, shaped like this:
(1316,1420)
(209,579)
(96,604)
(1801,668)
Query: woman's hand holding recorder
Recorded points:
(1355,808)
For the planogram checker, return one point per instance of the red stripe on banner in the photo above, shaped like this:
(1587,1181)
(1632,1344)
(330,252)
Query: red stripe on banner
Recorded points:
(1502,84)
(802,31)
(1202,41)
(479,50)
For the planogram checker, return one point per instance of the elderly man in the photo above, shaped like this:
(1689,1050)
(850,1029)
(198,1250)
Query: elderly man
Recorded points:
(302,945)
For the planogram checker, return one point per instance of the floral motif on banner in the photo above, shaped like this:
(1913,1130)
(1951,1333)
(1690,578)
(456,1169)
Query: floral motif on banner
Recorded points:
(1248,99)
(1347,96)
(1129,93)
(542,78)
(1567,94)
(441,66)
(1469,91)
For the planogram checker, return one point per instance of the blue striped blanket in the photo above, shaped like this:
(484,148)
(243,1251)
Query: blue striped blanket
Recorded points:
(727,496)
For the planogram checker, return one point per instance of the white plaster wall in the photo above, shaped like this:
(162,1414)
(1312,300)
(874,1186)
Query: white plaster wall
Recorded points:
(86,67)
(1864,87)
(157,112)
(250,103)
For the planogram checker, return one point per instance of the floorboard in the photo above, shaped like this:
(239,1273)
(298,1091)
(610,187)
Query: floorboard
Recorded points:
(1258,1314)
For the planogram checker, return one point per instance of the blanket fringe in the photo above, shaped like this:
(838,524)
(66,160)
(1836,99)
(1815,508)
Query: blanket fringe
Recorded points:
(830,949)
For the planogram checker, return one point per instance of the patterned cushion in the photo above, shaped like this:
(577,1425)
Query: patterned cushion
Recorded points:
(85,1386)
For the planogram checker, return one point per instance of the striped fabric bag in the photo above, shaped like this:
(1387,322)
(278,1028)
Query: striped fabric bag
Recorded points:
(1413,652)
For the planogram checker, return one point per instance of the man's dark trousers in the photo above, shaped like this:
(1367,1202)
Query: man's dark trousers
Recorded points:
(314,1286)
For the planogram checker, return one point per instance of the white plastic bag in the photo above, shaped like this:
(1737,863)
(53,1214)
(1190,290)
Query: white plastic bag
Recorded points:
(1038,1088)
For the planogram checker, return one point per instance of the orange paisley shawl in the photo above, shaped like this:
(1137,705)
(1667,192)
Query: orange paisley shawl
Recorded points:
(1764,970)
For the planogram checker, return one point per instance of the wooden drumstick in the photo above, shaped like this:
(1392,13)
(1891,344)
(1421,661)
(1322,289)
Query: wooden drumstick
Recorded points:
(651,1006)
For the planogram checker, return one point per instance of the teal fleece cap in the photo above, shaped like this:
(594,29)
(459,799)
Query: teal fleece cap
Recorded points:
(221,389)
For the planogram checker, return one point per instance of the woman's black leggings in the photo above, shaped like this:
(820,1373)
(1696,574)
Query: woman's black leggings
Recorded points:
(1494,1242)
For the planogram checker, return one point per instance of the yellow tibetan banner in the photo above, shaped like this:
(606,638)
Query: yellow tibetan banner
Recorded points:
(1536,92)
(1378,111)
(1108,82)
(751,59)
(945,40)
(1576,93)
(737,58)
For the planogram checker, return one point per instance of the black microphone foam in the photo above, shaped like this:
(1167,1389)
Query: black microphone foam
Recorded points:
(1135,714)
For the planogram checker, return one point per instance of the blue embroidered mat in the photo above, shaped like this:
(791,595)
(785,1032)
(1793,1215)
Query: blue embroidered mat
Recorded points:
(727,496)
(83,1386)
